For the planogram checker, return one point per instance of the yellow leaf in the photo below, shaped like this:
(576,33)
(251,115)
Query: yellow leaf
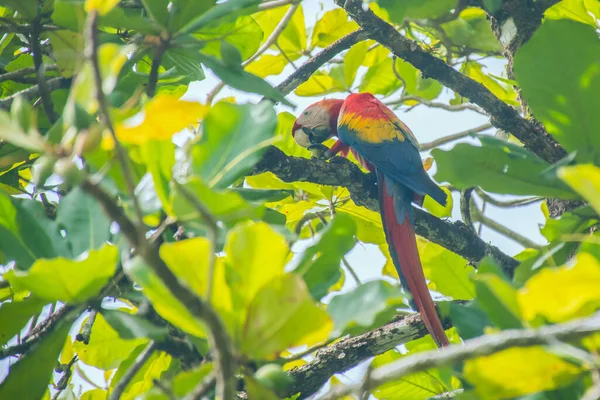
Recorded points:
(369,228)
(102,6)
(164,116)
(95,394)
(267,65)
(144,379)
(504,92)
(106,350)
(332,26)
(585,180)
(564,293)
(74,281)
(518,371)
(375,55)
(67,352)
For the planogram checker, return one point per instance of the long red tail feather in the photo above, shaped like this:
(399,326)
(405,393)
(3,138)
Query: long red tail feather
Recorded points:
(403,248)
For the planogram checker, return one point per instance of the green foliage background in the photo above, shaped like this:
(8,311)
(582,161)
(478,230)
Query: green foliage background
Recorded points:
(90,105)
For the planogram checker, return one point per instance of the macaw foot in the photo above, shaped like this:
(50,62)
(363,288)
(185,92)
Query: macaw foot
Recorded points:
(320,151)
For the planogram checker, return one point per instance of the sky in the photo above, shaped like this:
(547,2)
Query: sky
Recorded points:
(427,124)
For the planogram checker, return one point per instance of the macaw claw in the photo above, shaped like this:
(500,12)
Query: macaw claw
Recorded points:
(320,151)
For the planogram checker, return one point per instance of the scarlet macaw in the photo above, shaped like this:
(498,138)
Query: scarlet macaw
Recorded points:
(384,145)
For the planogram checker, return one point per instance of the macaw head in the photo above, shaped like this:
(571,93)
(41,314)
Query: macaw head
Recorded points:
(317,123)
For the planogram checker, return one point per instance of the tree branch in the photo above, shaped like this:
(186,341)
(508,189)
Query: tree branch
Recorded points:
(349,352)
(34,91)
(141,359)
(481,346)
(455,236)
(502,115)
(304,72)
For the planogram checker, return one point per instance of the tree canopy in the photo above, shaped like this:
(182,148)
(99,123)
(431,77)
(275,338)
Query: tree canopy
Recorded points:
(157,246)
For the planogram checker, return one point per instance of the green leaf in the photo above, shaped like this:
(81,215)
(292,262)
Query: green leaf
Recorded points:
(87,226)
(233,140)
(157,11)
(469,320)
(228,9)
(380,79)
(183,11)
(132,326)
(532,369)
(283,315)
(320,262)
(417,9)
(504,92)
(185,381)
(11,132)
(159,157)
(226,205)
(448,272)
(567,108)
(29,377)
(16,314)
(575,221)
(500,167)
(498,299)
(186,62)
(243,34)
(333,25)
(368,223)
(242,80)
(26,9)
(352,61)
(263,195)
(472,29)
(365,307)
(156,367)
(585,180)
(161,298)
(73,281)
(67,48)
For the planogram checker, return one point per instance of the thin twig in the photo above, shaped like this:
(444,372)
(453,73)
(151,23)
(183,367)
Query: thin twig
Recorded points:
(455,136)
(465,207)
(509,203)
(437,104)
(23,72)
(86,331)
(351,270)
(91,52)
(203,388)
(479,216)
(141,359)
(213,231)
(268,5)
(272,39)
(481,346)
(40,70)
(153,77)
(218,339)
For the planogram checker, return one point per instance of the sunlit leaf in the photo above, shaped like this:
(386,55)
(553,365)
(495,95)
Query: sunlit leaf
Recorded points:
(365,307)
(561,294)
(283,315)
(380,79)
(567,107)
(585,180)
(101,6)
(368,223)
(292,40)
(585,11)
(518,371)
(133,326)
(143,380)
(244,33)
(471,29)
(67,47)
(498,299)
(183,11)
(333,25)
(319,83)
(267,64)
(416,9)
(352,61)
(436,208)
(229,8)
(74,281)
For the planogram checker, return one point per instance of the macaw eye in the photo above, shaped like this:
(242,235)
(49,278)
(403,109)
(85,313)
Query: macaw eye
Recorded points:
(305,113)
